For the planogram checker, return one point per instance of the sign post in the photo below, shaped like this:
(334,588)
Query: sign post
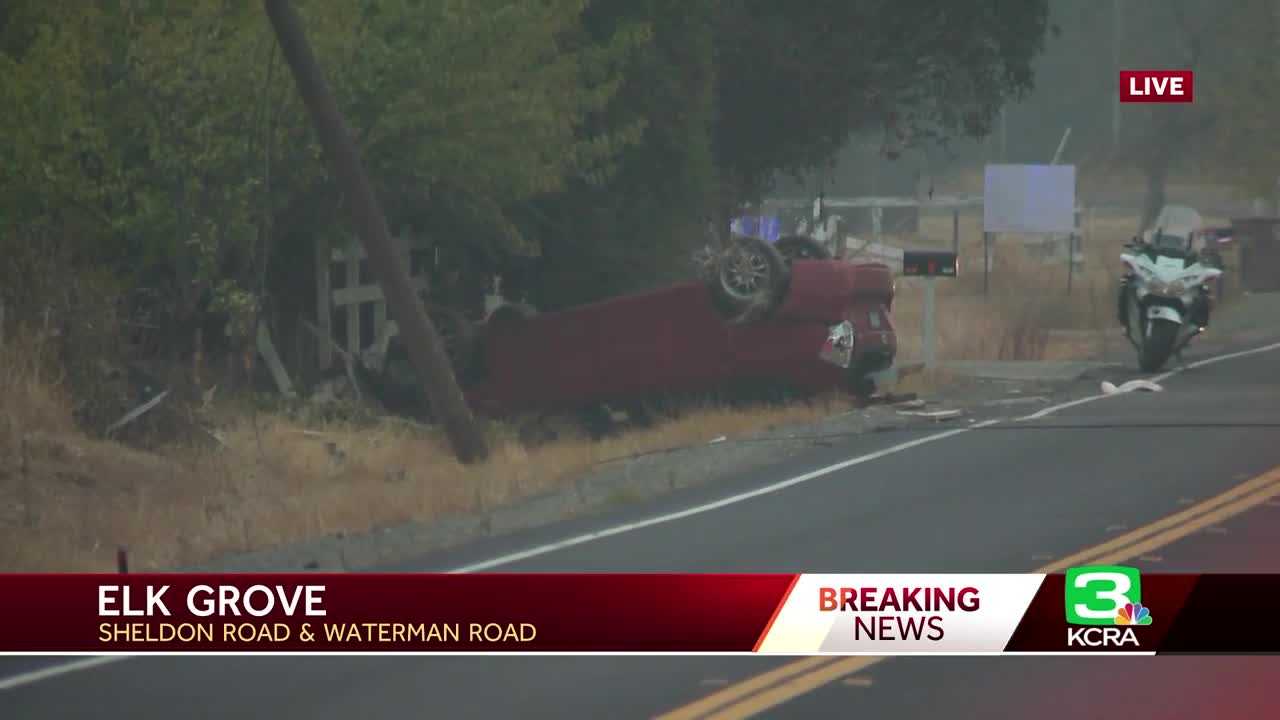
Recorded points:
(929,265)
(1071,261)
(928,341)
(986,264)
(955,231)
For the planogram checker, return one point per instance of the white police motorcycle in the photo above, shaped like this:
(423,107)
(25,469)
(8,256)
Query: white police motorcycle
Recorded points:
(1164,297)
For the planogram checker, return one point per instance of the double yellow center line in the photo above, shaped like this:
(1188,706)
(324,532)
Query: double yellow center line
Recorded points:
(768,690)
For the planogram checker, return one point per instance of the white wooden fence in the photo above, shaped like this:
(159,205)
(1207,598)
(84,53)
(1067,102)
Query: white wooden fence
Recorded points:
(352,296)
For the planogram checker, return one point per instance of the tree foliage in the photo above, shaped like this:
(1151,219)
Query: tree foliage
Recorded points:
(796,79)
(1183,34)
(604,238)
(1226,133)
(165,141)
(173,127)
(1243,86)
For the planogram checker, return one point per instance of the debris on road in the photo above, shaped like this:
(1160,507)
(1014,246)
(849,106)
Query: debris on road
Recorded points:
(933,414)
(1130,386)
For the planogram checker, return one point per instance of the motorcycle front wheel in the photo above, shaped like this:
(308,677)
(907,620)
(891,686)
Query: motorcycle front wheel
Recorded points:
(1158,345)
(1134,326)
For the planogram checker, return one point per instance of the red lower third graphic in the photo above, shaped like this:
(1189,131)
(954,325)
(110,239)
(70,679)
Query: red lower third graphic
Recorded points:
(1187,686)
(1183,687)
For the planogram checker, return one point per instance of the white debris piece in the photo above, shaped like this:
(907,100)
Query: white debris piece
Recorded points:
(934,415)
(1130,386)
(137,412)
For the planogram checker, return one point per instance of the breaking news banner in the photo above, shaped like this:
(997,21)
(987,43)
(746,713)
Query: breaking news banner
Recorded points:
(1095,609)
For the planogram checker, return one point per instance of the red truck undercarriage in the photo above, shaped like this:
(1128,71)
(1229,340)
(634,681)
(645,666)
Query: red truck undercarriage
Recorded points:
(782,315)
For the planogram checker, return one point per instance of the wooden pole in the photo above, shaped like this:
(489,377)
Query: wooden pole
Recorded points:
(929,330)
(986,263)
(425,349)
(1071,261)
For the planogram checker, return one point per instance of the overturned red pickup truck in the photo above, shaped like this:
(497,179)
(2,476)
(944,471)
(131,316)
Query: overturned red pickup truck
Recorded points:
(784,314)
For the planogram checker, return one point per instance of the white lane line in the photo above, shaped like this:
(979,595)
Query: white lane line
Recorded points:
(15,681)
(34,676)
(1157,379)
(716,505)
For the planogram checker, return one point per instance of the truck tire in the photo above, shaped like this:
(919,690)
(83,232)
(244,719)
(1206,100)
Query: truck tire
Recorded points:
(750,280)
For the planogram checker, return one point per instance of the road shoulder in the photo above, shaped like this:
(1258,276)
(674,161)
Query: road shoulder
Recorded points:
(1000,391)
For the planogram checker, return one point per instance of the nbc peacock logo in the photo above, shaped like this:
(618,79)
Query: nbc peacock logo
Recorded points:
(1133,614)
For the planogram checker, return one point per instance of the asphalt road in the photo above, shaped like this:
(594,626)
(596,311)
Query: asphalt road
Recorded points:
(1008,497)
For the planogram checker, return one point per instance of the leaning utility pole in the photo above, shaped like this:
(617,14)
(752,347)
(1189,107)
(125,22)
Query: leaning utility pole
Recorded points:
(420,337)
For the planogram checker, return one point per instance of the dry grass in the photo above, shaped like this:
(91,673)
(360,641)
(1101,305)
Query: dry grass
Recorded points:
(67,501)
(33,399)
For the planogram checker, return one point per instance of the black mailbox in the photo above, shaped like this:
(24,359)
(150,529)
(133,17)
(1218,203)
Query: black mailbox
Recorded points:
(930,263)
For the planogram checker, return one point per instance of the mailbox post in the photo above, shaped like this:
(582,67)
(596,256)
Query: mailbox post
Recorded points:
(930,265)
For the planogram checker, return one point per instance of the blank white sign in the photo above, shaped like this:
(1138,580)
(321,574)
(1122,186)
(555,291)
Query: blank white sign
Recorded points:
(1029,199)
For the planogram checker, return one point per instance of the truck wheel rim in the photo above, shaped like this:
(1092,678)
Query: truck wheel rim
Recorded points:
(745,273)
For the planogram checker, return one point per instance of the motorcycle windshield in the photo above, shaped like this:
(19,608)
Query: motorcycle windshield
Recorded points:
(1173,229)
(1179,219)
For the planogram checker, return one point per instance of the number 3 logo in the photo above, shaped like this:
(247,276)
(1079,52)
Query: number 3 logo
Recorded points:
(1096,594)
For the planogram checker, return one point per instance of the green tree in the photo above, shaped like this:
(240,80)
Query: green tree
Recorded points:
(470,108)
(628,228)
(161,133)
(796,80)
(173,125)
(1159,138)
(1242,85)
